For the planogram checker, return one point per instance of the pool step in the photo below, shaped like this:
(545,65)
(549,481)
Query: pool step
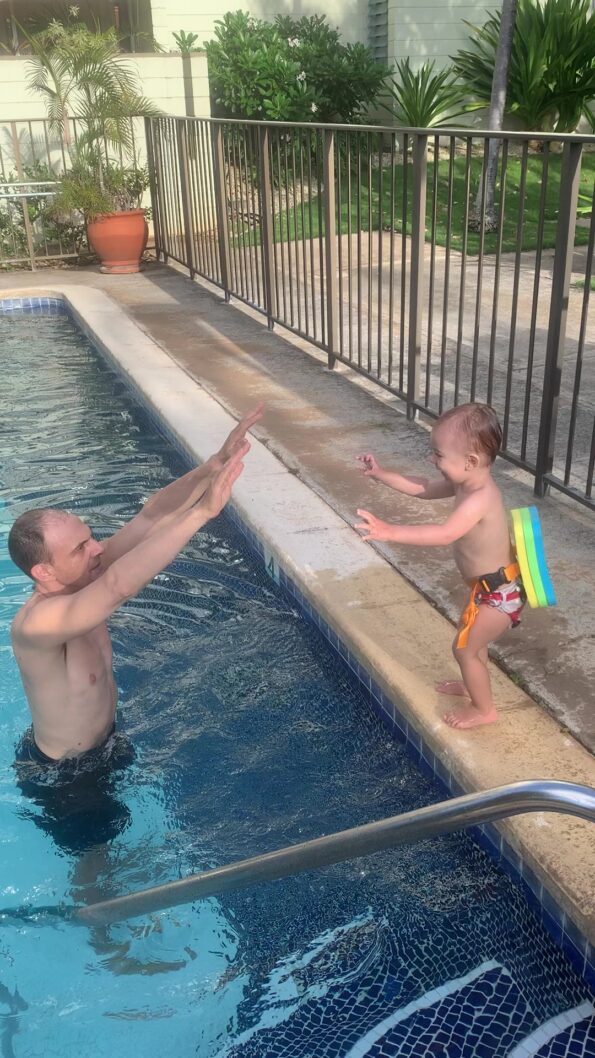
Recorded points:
(480,1014)
(568,1035)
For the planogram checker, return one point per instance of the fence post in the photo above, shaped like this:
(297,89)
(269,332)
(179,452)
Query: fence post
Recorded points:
(154,176)
(330,246)
(25,201)
(556,332)
(418,243)
(221,207)
(185,192)
(266,229)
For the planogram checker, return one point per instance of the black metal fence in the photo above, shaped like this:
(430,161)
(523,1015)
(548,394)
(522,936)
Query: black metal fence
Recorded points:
(361,239)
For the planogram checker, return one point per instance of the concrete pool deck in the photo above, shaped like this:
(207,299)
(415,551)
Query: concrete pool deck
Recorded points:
(404,641)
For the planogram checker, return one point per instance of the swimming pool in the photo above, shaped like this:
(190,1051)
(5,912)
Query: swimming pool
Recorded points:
(248,735)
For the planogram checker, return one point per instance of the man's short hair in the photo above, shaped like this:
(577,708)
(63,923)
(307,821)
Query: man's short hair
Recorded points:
(26,539)
(479,425)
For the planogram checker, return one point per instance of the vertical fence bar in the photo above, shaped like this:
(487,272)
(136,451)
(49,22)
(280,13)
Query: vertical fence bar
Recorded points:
(479,284)
(185,193)
(554,355)
(581,346)
(25,201)
(436,157)
(380,253)
(266,222)
(515,299)
(497,266)
(447,255)
(404,211)
(330,244)
(418,240)
(154,179)
(221,207)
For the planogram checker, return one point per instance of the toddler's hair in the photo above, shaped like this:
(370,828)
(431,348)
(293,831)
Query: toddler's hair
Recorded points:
(479,424)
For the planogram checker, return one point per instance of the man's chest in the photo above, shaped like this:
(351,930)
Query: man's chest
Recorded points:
(89,657)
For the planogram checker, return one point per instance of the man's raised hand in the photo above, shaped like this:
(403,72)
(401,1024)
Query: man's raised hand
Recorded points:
(237,436)
(219,490)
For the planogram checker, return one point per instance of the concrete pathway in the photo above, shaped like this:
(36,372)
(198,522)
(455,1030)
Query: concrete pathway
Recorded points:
(318,421)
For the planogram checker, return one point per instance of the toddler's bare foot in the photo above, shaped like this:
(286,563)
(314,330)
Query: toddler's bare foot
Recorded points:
(469,717)
(452,687)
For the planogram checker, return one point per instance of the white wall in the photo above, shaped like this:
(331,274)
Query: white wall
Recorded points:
(160,76)
(432,29)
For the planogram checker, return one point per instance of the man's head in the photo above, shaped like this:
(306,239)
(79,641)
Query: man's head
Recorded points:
(55,549)
(466,439)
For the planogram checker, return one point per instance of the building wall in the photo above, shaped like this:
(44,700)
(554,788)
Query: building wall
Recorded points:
(160,76)
(169,16)
(432,29)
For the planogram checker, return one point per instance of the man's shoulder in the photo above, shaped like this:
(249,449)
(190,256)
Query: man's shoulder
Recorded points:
(26,620)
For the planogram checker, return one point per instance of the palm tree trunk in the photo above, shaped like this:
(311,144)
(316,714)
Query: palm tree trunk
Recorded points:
(487,212)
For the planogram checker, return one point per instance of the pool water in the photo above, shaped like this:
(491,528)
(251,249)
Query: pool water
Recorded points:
(248,735)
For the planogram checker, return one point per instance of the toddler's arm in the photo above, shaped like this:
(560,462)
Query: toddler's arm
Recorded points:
(460,522)
(421,488)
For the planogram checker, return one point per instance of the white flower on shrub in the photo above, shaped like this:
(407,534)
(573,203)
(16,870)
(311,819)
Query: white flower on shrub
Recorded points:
(313,107)
(301,76)
(293,42)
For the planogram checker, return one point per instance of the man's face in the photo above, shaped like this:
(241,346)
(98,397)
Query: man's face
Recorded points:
(75,555)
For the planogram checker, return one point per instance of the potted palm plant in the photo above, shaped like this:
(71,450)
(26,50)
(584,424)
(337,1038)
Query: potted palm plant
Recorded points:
(90,88)
(107,197)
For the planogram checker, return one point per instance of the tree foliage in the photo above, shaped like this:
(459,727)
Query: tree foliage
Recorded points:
(290,70)
(551,78)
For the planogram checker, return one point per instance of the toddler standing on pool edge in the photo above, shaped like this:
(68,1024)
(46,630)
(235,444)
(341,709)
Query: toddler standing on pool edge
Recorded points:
(465,443)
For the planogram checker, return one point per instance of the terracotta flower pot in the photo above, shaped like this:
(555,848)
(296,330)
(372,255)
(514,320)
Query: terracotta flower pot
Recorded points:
(119,240)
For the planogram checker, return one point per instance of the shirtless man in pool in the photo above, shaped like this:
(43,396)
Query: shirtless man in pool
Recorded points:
(60,636)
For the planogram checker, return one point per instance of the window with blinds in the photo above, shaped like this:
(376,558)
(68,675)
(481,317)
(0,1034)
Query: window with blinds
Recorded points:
(378,29)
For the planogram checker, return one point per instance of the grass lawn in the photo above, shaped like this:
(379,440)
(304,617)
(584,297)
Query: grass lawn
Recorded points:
(370,215)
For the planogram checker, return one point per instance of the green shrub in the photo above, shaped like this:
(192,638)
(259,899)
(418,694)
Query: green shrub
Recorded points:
(290,70)
(424,99)
(551,79)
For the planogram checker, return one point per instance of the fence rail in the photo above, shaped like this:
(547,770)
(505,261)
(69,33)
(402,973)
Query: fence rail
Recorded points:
(361,240)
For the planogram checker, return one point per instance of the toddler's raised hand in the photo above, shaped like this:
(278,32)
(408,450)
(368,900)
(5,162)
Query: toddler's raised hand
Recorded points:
(374,527)
(370,466)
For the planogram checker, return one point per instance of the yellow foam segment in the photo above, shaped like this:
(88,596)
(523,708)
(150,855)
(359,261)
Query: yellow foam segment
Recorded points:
(521,551)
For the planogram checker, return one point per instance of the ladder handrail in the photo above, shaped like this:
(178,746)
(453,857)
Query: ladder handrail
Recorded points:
(470,810)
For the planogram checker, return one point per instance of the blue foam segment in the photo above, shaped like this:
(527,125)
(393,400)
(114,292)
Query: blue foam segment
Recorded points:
(548,587)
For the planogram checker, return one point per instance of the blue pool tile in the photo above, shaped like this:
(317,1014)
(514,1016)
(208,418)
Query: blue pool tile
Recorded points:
(588,972)
(511,861)
(532,881)
(554,928)
(573,934)
(414,737)
(550,904)
(375,690)
(574,955)
(364,675)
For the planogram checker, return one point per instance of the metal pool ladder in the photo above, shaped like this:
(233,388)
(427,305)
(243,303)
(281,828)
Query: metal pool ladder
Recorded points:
(456,814)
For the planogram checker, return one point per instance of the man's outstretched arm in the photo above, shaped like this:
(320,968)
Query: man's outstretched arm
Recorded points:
(166,505)
(60,618)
